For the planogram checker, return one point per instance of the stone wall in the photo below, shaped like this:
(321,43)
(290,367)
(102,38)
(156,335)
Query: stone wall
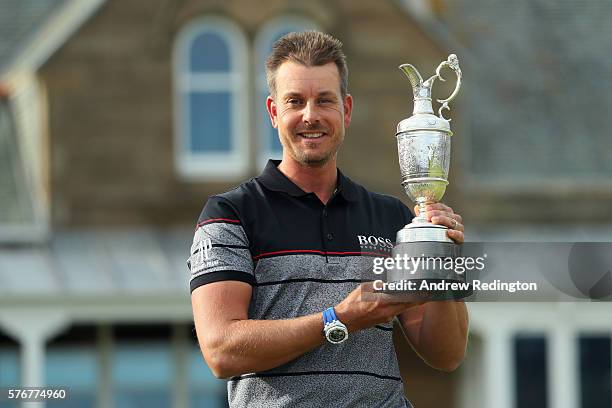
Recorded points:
(110,114)
(110,104)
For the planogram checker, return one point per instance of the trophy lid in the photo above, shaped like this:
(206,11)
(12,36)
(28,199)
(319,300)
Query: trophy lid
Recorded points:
(423,117)
(424,121)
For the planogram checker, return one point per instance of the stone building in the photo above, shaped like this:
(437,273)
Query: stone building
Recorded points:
(119,118)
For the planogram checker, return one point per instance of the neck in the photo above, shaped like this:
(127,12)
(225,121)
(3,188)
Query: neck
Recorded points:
(320,180)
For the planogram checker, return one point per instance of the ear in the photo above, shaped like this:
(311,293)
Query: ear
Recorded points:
(272,112)
(348,109)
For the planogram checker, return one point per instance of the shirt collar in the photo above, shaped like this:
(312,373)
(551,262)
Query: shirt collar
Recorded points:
(273,179)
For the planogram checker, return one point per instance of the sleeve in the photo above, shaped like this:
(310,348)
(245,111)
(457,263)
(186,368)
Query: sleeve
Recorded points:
(405,213)
(220,249)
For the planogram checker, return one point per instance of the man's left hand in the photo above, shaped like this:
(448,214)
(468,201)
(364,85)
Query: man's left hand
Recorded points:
(442,214)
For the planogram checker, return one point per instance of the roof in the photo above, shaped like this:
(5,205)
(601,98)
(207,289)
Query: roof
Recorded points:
(536,92)
(31,30)
(19,20)
(98,263)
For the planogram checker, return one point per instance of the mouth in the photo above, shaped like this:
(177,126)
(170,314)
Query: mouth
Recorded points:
(311,135)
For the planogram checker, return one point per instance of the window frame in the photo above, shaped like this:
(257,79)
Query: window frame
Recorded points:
(211,166)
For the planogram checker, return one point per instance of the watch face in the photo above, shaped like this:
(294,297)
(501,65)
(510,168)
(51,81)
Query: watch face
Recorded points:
(337,335)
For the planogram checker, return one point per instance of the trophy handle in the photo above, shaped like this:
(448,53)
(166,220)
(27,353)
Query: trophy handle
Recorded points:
(453,63)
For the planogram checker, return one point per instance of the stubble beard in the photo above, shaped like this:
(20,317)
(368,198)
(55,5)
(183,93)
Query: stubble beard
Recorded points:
(309,160)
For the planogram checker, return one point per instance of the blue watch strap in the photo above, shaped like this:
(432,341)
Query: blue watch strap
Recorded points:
(329,315)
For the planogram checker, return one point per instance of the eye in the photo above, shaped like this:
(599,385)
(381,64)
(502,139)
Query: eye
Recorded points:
(326,101)
(294,101)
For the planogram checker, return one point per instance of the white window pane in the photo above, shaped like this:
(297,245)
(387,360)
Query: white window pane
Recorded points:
(211,116)
(73,367)
(151,398)
(281,31)
(269,146)
(274,143)
(9,367)
(199,373)
(199,399)
(271,142)
(142,365)
(76,369)
(142,375)
(72,362)
(595,379)
(531,375)
(209,53)
(205,390)
(9,372)
(210,122)
(74,399)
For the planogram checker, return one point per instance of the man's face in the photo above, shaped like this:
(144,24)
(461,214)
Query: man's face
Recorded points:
(309,112)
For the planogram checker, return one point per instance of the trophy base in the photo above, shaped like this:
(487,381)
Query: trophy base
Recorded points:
(422,232)
(429,272)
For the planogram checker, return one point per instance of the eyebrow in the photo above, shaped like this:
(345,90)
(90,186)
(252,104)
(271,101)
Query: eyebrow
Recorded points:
(297,94)
(328,94)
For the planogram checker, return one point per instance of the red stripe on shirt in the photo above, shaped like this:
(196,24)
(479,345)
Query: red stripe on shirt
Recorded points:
(229,220)
(314,251)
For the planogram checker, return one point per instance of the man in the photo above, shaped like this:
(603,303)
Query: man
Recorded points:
(276,257)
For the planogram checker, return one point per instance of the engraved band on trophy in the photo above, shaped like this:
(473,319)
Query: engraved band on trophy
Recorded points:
(424,141)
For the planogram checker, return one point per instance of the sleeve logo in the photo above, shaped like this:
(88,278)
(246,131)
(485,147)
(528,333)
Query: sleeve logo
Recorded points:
(202,252)
(204,248)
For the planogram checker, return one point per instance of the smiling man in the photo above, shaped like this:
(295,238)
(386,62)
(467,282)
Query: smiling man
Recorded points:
(311,113)
(275,276)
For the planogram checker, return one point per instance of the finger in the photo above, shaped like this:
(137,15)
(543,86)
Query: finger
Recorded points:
(417,210)
(413,298)
(449,222)
(417,299)
(457,222)
(402,307)
(401,299)
(438,213)
(439,207)
(367,287)
(456,236)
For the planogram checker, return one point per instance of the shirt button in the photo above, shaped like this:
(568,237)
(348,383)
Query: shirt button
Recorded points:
(330,236)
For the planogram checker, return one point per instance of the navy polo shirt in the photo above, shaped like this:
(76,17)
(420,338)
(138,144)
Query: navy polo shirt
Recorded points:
(302,256)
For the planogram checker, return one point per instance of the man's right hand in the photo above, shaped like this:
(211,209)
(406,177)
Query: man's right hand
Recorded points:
(364,308)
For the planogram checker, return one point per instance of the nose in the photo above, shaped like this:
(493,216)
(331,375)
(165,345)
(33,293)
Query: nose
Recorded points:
(311,113)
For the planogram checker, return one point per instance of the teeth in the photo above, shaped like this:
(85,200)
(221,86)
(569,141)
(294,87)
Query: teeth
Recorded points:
(312,135)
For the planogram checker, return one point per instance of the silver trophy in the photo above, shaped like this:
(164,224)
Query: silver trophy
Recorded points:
(423,143)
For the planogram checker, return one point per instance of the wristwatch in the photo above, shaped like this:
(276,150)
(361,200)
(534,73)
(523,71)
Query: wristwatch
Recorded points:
(335,331)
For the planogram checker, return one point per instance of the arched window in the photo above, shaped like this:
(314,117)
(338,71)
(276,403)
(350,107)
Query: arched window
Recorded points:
(268,145)
(210,88)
